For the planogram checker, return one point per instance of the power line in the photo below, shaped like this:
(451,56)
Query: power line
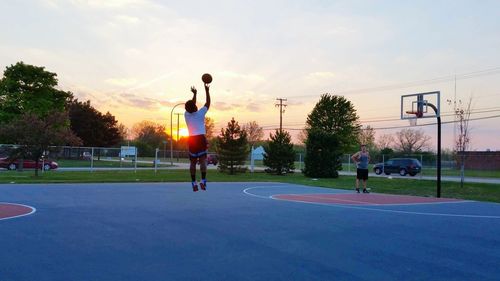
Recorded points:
(469,75)
(401,127)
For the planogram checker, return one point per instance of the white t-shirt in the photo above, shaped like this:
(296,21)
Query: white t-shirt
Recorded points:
(196,121)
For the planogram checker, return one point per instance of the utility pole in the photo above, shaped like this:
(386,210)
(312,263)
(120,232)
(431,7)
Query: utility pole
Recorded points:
(282,110)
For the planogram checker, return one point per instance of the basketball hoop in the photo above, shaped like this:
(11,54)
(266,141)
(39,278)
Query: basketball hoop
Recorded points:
(413,121)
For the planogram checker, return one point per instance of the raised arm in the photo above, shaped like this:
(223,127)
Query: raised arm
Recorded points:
(193,89)
(207,91)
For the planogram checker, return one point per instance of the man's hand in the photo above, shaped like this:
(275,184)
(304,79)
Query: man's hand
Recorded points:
(193,89)
(207,87)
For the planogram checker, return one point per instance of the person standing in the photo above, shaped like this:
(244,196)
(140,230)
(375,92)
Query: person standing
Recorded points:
(197,141)
(361,158)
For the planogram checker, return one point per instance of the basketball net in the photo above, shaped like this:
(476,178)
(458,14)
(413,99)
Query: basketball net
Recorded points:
(413,121)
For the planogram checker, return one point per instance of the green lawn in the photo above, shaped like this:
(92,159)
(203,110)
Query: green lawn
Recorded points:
(471,191)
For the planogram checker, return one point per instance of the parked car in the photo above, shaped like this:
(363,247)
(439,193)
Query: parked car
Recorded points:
(402,166)
(13,164)
(212,159)
(86,155)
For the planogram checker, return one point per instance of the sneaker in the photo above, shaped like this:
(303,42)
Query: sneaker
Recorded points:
(357,190)
(203,185)
(365,191)
(195,187)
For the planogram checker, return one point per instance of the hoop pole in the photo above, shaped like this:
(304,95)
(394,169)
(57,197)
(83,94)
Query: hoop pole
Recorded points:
(438,150)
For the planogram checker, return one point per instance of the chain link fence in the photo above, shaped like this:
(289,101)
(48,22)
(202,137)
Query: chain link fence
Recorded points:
(67,158)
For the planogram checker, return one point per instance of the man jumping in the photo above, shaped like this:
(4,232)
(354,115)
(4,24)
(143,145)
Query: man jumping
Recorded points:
(197,142)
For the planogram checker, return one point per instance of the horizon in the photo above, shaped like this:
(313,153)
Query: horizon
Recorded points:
(138,58)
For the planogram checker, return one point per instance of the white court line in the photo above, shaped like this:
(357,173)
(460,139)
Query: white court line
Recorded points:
(369,209)
(317,197)
(368,203)
(33,210)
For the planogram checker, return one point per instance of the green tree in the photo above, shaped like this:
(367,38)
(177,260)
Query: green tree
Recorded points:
(232,148)
(148,136)
(332,129)
(26,88)
(280,155)
(93,127)
(209,128)
(33,135)
(323,155)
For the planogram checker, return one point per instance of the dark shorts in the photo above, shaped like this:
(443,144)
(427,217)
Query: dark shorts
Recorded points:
(197,146)
(362,174)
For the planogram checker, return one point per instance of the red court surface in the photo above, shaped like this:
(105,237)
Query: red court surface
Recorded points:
(362,199)
(8,210)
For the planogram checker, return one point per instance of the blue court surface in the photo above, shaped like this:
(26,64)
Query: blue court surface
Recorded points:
(241,231)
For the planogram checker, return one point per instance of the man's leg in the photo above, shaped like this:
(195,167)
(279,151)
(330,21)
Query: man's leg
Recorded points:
(192,170)
(357,181)
(203,170)
(365,179)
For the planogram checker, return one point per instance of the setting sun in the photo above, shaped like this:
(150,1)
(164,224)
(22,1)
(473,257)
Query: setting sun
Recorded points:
(183,132)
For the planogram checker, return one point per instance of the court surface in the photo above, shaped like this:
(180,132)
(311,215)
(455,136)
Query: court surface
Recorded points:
(241,231)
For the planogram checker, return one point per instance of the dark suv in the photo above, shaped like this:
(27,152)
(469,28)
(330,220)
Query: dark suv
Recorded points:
(402,166)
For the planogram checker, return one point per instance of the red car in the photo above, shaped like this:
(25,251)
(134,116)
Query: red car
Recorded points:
(13,164)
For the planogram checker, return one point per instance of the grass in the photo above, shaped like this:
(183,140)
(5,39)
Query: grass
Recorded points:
(470,191)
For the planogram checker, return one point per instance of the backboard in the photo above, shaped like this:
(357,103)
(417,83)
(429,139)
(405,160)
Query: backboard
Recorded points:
(421,105)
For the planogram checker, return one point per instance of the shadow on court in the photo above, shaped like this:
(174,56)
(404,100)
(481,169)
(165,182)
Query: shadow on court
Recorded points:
(243,231)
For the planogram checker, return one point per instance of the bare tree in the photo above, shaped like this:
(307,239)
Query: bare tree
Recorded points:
(302,137)
(462,141)
(385,141)
(255,132)
(409,141)
(367,136)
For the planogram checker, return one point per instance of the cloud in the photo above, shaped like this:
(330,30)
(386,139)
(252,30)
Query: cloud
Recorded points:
(127,19)
(121,82)
(235,75)
(321,75)
(109,4)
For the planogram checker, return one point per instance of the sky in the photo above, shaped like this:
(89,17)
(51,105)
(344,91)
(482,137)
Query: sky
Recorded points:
(139,58)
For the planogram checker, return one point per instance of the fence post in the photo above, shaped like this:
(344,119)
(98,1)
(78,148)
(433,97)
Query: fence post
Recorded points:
(156,159)
(349,163)
(135,162)
(300,161)
(383,164)
(92,161)
(421,163)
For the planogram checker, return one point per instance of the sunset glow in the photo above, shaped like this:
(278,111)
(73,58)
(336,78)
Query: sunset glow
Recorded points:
(137,59)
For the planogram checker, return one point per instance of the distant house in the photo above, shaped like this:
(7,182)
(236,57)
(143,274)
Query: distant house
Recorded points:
(480,160)
(258,153)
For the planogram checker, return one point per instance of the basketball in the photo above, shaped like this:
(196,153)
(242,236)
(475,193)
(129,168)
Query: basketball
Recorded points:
(206,78)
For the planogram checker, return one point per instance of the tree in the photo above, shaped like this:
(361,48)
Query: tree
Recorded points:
(123,131)
(254,131)
(33,135)
(385,141)
(209,128)
(149,136)
(280,155)
(322,158)
(463,138)
(409,141)
(30,89)
(92,127)
(367,136)
(331,128)
(232,148)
